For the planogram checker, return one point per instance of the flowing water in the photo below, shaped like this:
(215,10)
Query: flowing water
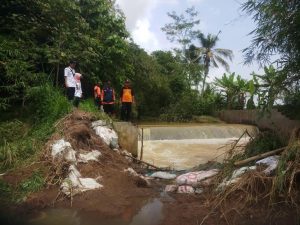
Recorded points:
(185,146)
(180,147)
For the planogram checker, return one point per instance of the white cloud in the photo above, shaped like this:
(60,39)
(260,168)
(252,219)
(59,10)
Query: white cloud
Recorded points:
(144,37)
(136,10)
(194,1)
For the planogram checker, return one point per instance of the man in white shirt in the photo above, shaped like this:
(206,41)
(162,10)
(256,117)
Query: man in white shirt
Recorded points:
(69,80)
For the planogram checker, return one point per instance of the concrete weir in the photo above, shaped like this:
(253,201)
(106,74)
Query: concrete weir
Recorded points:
(185,146)
(128,136)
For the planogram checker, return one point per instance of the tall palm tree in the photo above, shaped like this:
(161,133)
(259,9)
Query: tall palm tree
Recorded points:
(212,56)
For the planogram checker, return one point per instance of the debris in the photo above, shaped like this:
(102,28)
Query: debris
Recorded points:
(163,175)
(260,156)
(271,162)
(194,178)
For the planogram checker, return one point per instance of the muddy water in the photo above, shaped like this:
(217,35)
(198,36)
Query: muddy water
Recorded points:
(149,214)
(182,147)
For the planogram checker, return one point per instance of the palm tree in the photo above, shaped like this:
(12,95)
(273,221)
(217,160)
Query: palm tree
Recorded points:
(212,56)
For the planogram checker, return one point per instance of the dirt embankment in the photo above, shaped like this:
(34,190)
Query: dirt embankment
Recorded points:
(122,195)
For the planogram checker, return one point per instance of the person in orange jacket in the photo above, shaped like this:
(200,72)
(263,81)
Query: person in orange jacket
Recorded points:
(97,95)
(126,98)
(108,98)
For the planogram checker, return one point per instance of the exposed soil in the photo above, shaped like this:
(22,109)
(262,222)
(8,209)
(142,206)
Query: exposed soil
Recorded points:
(123,195)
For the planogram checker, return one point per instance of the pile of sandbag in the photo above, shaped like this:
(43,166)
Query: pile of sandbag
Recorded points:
(74,183)
(192,182)
(106,132)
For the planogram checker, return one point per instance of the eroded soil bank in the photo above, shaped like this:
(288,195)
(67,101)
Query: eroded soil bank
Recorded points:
(126,199)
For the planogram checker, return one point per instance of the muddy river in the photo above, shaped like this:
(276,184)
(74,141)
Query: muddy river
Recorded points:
(182,147)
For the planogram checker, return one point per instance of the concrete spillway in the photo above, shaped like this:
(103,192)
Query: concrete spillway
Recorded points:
(182,147)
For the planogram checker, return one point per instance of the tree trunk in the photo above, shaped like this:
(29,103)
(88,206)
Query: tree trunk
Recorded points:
(204,80)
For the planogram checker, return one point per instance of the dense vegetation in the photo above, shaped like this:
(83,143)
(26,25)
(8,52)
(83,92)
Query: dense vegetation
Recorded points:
(39,37)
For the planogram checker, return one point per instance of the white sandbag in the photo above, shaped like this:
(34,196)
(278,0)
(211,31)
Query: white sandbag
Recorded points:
(194,178)
(107,134)
(131,171)
(271,162)
(59,146)
(198,191)
(75,184)
(89,184)
(128,155)
(62,148)
(235,176)
(185,189)
(163,175)
(91,156)
(70,155)
(99,123)
(171,188)
(241,171)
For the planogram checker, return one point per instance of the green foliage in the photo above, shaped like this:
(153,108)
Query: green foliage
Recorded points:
(234,88)
(250,103)
(191,104)
(39,37)
(47,103)
(22,140)
(286,166)
(269,86)
(32,184)
(264,142)
(276,32)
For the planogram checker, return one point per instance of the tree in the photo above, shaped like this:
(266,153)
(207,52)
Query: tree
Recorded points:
(276,33)
(234,88)
(269,86)
(212,56)
(182,30)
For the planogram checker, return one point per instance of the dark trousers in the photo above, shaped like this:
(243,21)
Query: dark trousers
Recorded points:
(108,108)
(70,93)
(126,111)
(97,102)
(76,102)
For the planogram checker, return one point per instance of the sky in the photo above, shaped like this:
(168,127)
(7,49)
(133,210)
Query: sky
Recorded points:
(145,18)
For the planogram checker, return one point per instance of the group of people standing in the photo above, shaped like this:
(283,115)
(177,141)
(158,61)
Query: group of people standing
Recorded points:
(105,98)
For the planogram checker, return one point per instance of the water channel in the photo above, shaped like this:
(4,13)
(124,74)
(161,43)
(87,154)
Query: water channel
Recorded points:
(177,146)
(185,146)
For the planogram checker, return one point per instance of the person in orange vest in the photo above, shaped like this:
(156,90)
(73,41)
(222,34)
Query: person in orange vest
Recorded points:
(126,98)
(97,95)
(108,98)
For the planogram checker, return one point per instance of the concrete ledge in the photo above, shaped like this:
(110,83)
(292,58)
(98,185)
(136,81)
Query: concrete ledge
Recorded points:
(274,120)
(128,136)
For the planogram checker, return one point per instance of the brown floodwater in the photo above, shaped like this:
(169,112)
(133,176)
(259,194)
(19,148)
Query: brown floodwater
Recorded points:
(183,147)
